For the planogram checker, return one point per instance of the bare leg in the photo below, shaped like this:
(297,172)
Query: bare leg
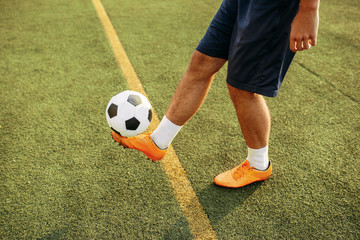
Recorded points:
(254,119)
(193,87)
(187,99)
(253,115)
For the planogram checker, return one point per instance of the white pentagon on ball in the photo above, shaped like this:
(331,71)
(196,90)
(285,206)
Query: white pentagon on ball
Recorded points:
(129,113)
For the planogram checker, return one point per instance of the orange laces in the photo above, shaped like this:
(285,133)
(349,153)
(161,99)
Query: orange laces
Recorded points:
(241,170)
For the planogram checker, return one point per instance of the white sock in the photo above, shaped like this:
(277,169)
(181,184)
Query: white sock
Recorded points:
(165,133)
(258,158)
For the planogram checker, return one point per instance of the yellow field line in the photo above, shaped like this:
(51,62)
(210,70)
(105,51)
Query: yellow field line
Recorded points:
(198,221)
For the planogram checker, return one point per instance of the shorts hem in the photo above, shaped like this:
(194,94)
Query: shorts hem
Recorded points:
(218,53)
(252,89)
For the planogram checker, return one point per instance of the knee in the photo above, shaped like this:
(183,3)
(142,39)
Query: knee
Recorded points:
(204,64)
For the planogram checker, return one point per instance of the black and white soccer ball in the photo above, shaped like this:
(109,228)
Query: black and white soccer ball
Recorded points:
(129,113)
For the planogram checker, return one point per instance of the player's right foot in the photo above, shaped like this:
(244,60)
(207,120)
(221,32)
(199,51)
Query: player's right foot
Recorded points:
(143,143)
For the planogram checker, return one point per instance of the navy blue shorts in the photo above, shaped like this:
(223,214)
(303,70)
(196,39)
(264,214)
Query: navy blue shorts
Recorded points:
(253,35)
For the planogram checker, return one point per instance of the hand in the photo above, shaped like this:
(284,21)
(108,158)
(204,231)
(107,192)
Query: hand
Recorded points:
(304,29)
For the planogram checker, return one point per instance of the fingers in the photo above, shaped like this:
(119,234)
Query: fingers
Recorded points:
(299,44)
(296,44)
(313,40)
(292,45)
(305,44)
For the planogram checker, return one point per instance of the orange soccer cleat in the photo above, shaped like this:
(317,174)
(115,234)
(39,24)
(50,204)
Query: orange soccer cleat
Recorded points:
(141,142)
(242,175)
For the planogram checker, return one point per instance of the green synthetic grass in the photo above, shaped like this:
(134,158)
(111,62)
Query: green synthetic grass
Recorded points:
(63,178)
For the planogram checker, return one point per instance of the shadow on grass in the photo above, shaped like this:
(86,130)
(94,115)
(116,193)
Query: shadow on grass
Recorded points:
(57,234)
(218,201)
(179,230)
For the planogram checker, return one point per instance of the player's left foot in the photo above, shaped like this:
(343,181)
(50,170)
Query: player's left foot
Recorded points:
(242,175)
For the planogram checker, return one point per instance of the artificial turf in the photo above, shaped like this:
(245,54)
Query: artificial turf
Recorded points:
(62,177)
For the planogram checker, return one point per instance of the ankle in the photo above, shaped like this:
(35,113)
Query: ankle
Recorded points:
(165,133)
(258,158)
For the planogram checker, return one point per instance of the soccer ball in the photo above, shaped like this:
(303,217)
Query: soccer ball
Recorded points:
(129,113)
